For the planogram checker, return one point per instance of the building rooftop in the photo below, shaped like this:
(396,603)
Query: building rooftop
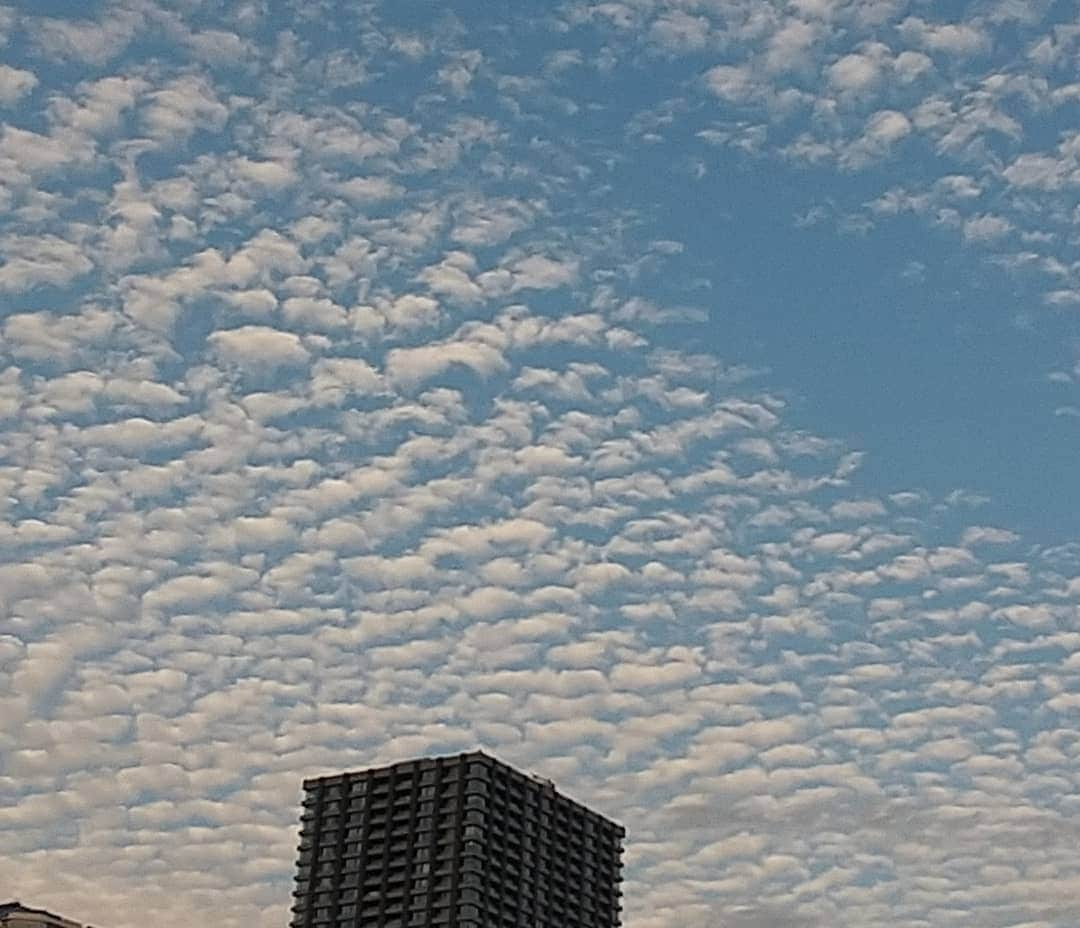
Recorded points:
(462,756)
(15,909)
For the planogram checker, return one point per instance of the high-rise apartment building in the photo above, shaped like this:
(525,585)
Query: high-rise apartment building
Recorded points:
(456,842)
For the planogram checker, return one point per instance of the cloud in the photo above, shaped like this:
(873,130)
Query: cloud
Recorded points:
(732,83)
(339,427)
(986,228)
(855,72)
(882,131)
(764,917)
(1042,171)
(679,32)
(182,107)
(945,38)
(270,174)
(95,43)
(45,336)
(332,379)
(99,105)
(412,366)
(490,222)
(252,346)
(368,189)
(29,261)
(457,75)
(15,84)
(788,46)
(540,272)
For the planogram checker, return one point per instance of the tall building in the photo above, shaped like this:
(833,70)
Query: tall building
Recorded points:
(17,915)
(457,842)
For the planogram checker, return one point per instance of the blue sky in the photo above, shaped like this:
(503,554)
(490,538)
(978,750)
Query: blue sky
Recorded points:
(676,398)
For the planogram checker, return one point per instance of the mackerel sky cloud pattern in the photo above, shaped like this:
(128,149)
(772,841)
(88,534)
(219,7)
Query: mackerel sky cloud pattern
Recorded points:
(677,398)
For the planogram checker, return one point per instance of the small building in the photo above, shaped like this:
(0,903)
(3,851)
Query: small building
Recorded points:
(17,915)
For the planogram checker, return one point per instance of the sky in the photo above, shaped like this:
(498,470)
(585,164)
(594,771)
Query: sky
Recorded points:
(679,399)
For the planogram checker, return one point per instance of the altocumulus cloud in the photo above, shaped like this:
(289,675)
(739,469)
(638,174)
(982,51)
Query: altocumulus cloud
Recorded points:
(347,416)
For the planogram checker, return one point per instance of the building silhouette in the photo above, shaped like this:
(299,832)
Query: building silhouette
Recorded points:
(17,915)
(463,841)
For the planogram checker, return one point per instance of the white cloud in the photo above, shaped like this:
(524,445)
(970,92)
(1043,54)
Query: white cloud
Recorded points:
(855,72)
(882,131)
(314,313)
(99,105)
(298,476)
(789,46)
(46,259)
(273,175)
(909,65)
(1041,171)
(887,127)
(411,366)
(987,535)
(95,43)
(679,32)
(732,83)
(332,379)
(368,189)
(181,108)
(15,84)
(947,38)
(45,336)
(457,75)
(489,222)
(411,311)
(986,228)
(451,278)
(254,346)
(540,272)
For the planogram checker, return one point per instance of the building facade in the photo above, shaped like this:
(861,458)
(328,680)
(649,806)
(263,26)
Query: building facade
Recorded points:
(17,915)
(457,842)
